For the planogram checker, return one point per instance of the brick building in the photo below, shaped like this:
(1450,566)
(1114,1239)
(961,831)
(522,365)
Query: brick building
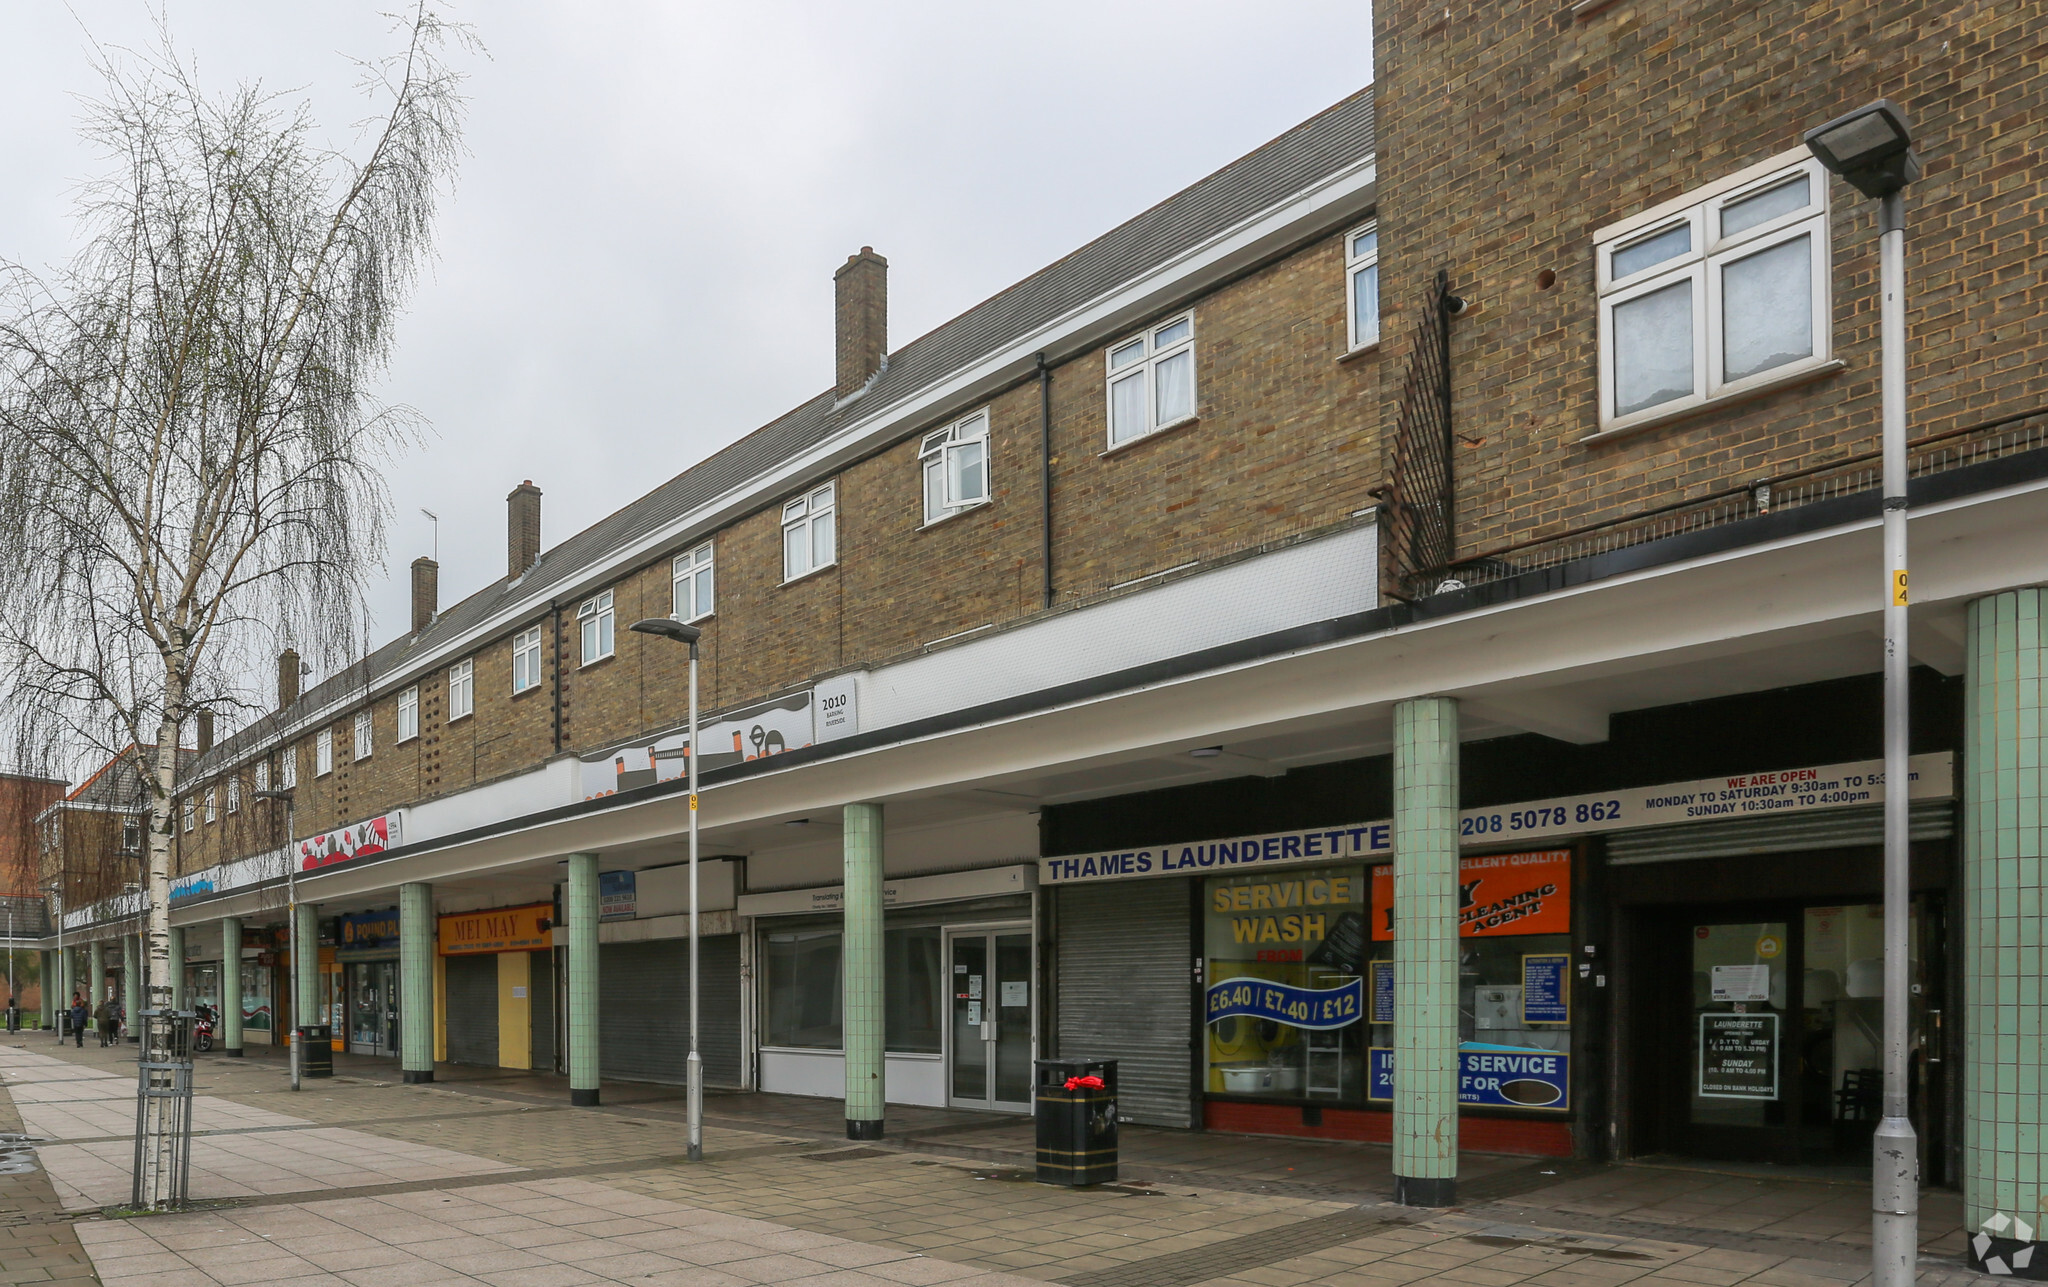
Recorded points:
(1157,610)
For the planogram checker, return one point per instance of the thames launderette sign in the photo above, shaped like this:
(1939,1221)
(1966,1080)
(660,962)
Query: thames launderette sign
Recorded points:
(1742,795)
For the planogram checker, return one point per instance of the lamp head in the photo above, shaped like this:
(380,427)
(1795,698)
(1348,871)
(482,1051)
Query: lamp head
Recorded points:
(668,628)
(1871,147)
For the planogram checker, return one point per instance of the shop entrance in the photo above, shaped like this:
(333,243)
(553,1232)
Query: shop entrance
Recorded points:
(988,1057)
(1759,1035)
(373,1007)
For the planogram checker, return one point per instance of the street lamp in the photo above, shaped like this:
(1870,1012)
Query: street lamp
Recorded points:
(670,628)
(1872,147)
(56,891)
(291,902)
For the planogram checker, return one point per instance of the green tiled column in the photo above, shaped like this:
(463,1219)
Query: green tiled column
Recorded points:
(231,986)
(580,909)
(131,985)
(178,998)
(306,968)
(95,976)
(860,971)
(416,982)
(1426,952)
(2005,1061)
(48,975)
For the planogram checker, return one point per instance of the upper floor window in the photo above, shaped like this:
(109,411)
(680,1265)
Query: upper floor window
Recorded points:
(365,735)
(595,619)
(1152,380)
(234,795)
(955,464)
(263,775)
(131,835)
(323,753)
(461,689)
(212,809)
(526,660)
(187,816)
(1716,294)
(808,539)
(690,583)
(409,713)
(288,767)
(1362,284)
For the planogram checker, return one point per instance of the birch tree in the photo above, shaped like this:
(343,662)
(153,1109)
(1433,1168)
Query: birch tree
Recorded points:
(190,441)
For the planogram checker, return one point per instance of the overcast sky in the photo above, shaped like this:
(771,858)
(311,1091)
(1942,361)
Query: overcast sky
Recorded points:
(636,265)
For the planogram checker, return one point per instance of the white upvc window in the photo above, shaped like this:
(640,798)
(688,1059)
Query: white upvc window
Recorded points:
(288,767)
(690,585)
(595,620)
(809,537)
(461,689)
(235,794)
(1152,380)
(365,735)
(955,464)
(1362,284)
(187,815)
(1715,295)
(212,805)
(323,753)
(409,713)
(263,775)
(526,660)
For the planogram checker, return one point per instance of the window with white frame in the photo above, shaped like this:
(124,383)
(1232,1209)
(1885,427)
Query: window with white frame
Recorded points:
(131,835)
(365,735)
(409,713)
(461,689)
(188,815)
(526,660)
(1362,284)
(212,805)
(955,465)
(323,753)
(288,767)
(594,618)
(689,575)
(263,775)
(1715,295)
(234,795)
(1152,380)
(809,541)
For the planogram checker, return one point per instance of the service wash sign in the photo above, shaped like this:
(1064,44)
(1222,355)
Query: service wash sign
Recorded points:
(1741,795)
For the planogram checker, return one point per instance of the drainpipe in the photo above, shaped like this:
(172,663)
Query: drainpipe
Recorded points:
(555,612)
(1045,460)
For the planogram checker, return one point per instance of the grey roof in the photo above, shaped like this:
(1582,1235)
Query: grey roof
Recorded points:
(122,782)
(1321,146)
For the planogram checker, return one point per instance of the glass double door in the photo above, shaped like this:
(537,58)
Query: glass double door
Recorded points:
(988,1047)
(372,1007)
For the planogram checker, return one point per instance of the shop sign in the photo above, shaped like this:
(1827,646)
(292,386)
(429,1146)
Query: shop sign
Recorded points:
(365,931)
(1302,1007)
(1742,795)
(1546,995)
(346,844)
(1490,1076)
(618,895)
(500,929)
(821,714)
(1498,894)
(1738,1056)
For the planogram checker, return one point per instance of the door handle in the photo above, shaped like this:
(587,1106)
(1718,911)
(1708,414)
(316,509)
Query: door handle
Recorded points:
(988,1030)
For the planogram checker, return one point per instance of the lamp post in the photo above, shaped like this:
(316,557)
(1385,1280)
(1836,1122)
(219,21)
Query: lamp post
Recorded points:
(56,888)
(670,628)
(291,902)
(1872,147)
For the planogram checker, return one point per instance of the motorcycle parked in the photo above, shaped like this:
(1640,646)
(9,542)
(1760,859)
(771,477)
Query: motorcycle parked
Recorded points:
(202,1030)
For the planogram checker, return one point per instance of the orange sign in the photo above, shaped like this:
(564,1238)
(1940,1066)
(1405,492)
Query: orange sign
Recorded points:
(1498,894)
(499,929)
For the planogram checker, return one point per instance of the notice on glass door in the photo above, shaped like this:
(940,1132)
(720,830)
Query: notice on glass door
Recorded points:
(1738,1056)
(1016,994)
(1742,982)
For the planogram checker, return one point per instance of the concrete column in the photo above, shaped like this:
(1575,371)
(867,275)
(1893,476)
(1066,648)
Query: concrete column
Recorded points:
(306,968)
(1426,952)
(131,985)
(860,972)
(416,982)
(231,986)
(580,907)
(2005,816)
(96,975)
(179,1001)
(48,974)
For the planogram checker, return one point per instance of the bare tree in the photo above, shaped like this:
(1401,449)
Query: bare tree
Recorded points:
(189,442)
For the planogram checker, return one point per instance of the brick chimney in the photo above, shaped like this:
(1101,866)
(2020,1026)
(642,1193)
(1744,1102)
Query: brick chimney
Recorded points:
(426,593)
(205,731)
(522,529)
(287,678)
(861,318)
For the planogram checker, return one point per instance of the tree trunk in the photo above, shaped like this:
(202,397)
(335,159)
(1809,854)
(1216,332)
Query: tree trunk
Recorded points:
(162,818)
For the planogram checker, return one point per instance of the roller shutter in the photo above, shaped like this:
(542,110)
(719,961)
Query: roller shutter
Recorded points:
(473,1010)
(1124,953)
(541,988)
(644,1009)
(1852,828)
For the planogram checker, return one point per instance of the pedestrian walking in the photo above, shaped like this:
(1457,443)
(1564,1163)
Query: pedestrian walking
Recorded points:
(104,1016)
(78,1017)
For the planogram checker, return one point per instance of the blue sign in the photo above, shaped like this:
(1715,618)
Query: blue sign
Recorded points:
(1298,1007)
(365,931)
(1494,1076)
(1546,993)
(1382,991)
(618,895)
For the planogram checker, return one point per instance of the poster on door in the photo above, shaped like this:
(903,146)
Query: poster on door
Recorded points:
(1738,1056)
(1498,895)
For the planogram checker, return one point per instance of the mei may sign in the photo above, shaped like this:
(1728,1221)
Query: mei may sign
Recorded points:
(500,929)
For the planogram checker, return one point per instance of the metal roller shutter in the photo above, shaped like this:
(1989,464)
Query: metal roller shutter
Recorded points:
(1851,828)
(644,1009)
(473,1010)
(1124,954)
(541,989)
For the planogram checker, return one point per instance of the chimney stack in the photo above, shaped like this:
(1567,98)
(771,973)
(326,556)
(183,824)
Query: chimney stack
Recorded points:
(861,318)
(522,529)
(205,731)
(287,678)
(426,593)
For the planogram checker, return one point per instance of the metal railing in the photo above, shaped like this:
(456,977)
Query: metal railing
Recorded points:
(163,1111)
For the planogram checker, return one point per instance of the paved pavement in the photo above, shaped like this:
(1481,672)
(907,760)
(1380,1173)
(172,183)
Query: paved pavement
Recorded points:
(489,1177)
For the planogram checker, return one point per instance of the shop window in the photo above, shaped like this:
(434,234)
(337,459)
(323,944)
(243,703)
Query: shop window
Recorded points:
(804,989)
(595,620)
(810,532)
(212,809)
(234,795)
(1362,272)
(365,735)
(263,775)
(323,753)
(461,689)
(1285,983)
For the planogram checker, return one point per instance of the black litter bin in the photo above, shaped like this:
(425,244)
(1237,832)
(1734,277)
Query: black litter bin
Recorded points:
(1075,1103)
(316,1050)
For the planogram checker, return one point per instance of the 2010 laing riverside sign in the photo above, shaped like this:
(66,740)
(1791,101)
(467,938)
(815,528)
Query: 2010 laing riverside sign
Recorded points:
(1742,795)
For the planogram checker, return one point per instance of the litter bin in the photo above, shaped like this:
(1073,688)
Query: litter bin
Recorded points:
(1075,1103)
(316,1049)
